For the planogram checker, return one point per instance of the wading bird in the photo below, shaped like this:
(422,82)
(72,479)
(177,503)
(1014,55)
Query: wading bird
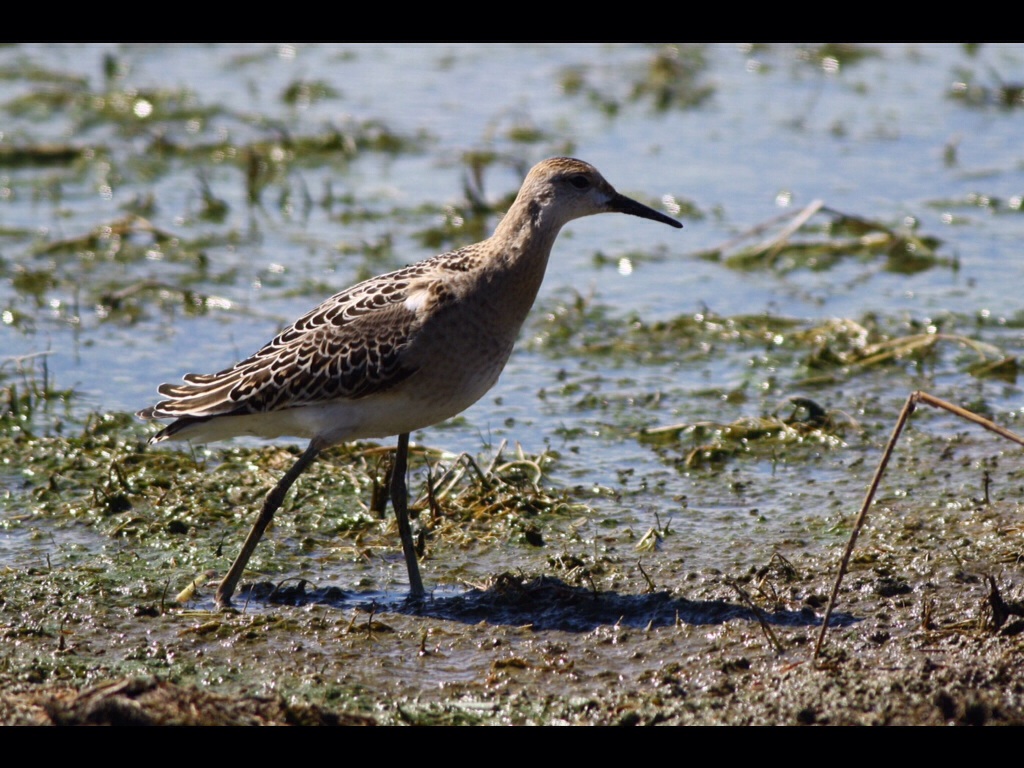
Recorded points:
(395,353)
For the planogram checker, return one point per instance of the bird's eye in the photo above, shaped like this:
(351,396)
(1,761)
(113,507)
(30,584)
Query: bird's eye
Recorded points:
(579,181)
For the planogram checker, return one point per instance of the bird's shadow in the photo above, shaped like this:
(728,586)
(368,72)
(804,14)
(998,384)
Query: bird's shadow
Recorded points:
(544,603)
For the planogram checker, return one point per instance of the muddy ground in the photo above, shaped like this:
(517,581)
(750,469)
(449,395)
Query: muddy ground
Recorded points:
(921,635)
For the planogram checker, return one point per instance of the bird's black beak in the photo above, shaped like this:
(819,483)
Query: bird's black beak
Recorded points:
(623,204)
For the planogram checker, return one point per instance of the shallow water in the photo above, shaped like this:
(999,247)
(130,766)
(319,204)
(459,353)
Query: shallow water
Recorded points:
(878,137)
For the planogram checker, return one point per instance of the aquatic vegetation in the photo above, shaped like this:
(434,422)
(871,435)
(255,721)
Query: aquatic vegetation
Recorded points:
(29,398)
(986,90)
(843,236)
(713,443)
(671,77)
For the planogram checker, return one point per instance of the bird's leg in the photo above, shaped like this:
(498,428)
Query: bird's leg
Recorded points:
(399,500)
(270,505)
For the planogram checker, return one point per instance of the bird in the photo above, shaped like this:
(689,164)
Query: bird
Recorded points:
(395,353)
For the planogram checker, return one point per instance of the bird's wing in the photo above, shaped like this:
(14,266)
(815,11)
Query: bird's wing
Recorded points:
(348,347)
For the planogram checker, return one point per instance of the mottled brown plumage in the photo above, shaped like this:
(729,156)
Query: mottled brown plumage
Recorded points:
(395,353)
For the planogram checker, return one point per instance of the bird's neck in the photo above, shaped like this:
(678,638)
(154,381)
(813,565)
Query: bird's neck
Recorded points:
(522,244)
